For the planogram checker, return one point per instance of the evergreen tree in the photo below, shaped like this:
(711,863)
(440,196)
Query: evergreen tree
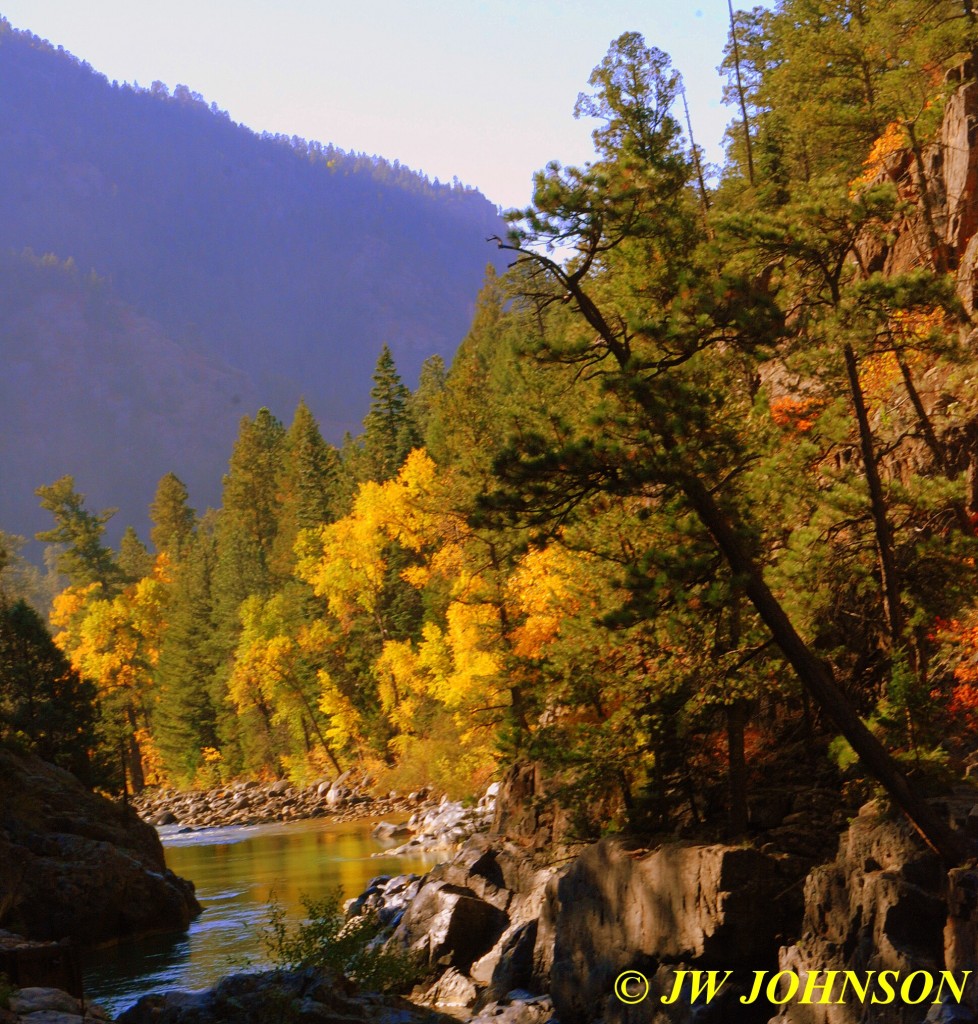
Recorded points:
(43,700)
(667,337)
(249,518)
(134,560)
(187,692)
(247,531)
(83,558)
(172,517)
(307,485)
(424,400)
(389,433)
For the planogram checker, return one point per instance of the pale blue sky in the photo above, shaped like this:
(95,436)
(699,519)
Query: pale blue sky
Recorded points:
(479,89)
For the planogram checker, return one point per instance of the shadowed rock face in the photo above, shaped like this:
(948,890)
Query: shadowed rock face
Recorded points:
(73,864)
(278,996)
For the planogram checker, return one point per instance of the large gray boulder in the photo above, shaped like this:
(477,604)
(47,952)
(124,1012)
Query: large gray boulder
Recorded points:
(450,925)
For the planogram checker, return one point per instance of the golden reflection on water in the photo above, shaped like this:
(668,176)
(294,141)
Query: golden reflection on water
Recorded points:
(237,872)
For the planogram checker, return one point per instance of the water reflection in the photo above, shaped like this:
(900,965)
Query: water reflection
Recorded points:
(237,871)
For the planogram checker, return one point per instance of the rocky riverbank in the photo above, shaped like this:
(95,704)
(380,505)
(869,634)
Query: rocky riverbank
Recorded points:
(434,824)
(517,928)
(277,997)
(257,803)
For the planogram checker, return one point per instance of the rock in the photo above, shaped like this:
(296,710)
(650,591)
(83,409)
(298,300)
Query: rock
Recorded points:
(715,905)
(278,788)
(265,998)
(522,808)
(166,818)
(33,1000)
(509,964)
(880,906)
(74,864)
(451,925)
(388,830)
(50,1006)
(950,1013)
(517,1008)
(451,989)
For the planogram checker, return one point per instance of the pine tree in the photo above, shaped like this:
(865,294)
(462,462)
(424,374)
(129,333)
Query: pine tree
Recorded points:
(246,533)
(667,337)
(307,485)
(83,557)
(187,691)
(43,700)
(389,432)
(134,559)
(172,517)
(424,400)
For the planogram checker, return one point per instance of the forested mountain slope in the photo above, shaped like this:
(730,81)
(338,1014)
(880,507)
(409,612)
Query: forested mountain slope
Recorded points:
(281,266)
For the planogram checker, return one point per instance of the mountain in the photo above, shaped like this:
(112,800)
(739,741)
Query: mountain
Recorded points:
(166,271)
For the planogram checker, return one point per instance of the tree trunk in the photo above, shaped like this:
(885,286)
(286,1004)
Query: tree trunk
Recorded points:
(884,539)
(816,676)
(737,766)
(740,93)
(135,756)
(937,450)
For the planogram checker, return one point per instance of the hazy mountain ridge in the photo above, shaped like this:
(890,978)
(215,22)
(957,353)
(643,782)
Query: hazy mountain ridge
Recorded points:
(94,389)
(283,265)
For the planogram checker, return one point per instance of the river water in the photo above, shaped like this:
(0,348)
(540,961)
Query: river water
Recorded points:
(237,871)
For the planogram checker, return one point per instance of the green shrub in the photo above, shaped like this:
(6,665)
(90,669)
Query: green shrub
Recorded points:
(7,989)
(326,939)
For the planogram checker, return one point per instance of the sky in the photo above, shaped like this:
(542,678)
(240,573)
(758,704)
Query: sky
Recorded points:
(481,90)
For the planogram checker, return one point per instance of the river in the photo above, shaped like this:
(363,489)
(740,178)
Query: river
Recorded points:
(237,871)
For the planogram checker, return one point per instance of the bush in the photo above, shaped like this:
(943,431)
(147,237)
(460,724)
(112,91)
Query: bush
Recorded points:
(326,939)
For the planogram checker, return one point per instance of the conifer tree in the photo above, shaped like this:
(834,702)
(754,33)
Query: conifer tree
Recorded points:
(187,692)
(308,482)
(667,337)
(43,700)
(246,534)
(388,430)
(82,557)
(134,560)
(172,517)
(424,400)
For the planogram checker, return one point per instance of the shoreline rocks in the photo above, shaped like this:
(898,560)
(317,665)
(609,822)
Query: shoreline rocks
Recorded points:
(258,803)
(441,827)
(512,929)
(76,865)
(273,996)
(50,1006)
(433,826)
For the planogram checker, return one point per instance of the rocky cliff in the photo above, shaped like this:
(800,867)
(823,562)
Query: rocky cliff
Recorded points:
(73,864)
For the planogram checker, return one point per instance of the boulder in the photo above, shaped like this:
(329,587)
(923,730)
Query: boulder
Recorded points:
(450,925)
(74,864)
(272,996)
(881,905)
(716,906)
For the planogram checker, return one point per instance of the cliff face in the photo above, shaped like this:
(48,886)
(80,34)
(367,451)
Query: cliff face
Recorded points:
(938,223)
(73,864)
